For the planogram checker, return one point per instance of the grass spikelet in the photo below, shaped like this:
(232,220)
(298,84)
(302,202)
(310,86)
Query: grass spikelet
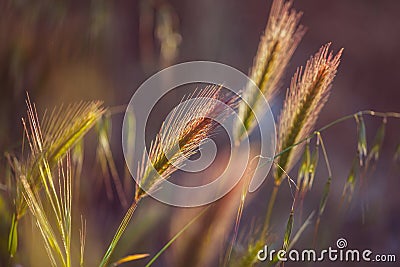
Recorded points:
(325,195)
(286,238)
(362,139)
(62,129)
(281,37)
(307,168)
(308,92)
(349,186)
(378,141)
(305,165)
(313,165)
(179,140)
(65,126)
(288,232)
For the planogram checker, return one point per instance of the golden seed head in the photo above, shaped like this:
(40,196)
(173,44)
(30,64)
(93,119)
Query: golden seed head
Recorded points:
(308,93)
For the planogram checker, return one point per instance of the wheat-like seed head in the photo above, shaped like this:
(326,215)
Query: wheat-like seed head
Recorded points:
(281,37)
(60,131)
(48,146)
(308,92)
(178,140)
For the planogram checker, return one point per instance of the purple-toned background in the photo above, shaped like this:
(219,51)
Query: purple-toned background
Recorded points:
(68,51)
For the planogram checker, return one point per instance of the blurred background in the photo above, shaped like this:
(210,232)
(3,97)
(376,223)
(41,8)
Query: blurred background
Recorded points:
(66,51)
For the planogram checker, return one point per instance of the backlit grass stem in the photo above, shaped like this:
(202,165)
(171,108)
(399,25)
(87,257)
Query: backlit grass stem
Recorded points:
(179,140)
(118,234)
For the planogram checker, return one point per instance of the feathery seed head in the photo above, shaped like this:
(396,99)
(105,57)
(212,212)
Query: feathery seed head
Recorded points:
(281,37)
(61,130)
(181,134)
(308,92)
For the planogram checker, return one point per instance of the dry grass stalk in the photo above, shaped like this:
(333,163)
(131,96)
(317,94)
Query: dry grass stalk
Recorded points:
(281,37)
(178,140)
(308,92)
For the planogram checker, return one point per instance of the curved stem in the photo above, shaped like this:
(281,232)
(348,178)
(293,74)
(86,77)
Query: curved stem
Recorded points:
(271,202)
(351,116)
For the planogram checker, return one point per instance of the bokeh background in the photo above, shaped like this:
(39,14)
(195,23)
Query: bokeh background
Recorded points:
(65,51)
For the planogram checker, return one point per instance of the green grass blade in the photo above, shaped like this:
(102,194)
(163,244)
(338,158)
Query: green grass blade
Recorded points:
(13,237)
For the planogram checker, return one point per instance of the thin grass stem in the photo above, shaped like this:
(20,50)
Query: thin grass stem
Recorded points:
(121,229)
(175,237)
(271,204)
